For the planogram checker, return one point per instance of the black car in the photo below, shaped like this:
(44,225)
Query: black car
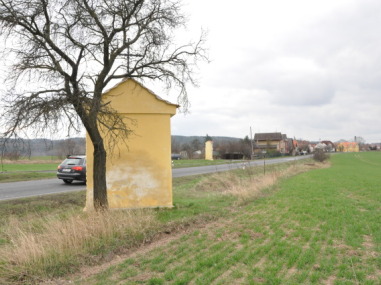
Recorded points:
(72,168)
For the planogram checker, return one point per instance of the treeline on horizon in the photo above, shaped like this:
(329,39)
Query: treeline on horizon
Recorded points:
(14,149)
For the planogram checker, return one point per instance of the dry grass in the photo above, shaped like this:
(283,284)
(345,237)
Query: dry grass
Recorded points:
(39,246)
(251,184)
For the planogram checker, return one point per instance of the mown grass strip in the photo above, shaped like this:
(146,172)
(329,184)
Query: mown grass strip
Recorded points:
(28,170)
(25,176)
(11,167)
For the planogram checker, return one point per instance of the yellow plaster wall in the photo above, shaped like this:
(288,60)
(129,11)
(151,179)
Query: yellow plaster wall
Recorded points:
(268,144)
(348,147)
(208,150)
(141,175)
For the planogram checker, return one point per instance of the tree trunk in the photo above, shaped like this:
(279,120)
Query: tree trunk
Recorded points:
(99,176)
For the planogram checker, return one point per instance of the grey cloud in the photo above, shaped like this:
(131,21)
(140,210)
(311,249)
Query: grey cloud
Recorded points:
(347,43)
(321,80)
(302,90)
(344,46)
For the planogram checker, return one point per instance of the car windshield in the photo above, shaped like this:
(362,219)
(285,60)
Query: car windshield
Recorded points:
(72,161)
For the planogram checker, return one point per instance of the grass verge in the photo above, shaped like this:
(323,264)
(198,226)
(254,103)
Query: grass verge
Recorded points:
(25,176)
(28,167)
(181,163)
(25,170)
(50,237)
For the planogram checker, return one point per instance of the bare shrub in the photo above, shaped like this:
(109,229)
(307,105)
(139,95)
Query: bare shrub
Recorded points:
(14,155)
(320,155)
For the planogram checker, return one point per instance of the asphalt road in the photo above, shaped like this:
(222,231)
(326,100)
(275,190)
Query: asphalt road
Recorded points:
(23,189)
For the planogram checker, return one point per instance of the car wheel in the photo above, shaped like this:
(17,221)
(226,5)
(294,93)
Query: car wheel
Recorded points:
(67,181)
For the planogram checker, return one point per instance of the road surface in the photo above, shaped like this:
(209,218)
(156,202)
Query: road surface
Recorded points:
(24,189)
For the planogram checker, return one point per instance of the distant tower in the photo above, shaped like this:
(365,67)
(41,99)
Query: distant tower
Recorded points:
(209,150)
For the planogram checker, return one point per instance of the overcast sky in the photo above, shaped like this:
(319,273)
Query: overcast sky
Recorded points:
(308,69)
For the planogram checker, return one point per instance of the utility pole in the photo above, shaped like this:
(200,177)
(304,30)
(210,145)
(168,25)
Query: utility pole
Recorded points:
(264,163)
(252,146)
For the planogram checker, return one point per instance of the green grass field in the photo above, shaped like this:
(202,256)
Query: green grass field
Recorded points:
(25,176)
(28,170)
(315,227)
(320,227)
(28,167)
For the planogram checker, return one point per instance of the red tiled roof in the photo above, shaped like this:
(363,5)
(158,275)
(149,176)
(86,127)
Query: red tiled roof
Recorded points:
(268,137)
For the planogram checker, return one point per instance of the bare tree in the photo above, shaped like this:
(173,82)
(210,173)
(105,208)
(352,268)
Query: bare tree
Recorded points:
(14,148)
(68,51)
(175,146)
(246,147)
(361,142)
(66,147)
(196,145)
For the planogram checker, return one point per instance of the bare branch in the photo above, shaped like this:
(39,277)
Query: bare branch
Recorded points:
(66,52)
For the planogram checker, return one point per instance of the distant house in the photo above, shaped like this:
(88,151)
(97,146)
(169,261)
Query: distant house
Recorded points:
(312,147)
(321,146)
(327,143)
(330,145)
(270,141)
(291,146)
(348,147)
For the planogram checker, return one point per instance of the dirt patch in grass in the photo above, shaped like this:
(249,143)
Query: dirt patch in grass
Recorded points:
(255,235)
(330,280)
(259,280)
(291,271)
(369,246)
(261,262)
(226,275)
(375,276)
(341,246)
(142,277)
(229,236)
(368,242)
